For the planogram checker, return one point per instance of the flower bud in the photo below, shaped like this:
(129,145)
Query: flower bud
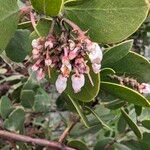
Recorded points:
(96,68)
(96,54)
(144,88)
(78,82)
(61,83)
(48,62)
(40,74)
(49,44)
(35,43)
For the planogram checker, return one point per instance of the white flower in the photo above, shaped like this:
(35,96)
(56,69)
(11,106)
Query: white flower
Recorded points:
(40,75)
(96,68)
(35,43)
(61,83)
(96,54)
(78,82)
(49,44)
(48,62)
(144,88)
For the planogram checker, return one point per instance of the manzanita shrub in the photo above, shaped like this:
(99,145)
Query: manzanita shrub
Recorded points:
(68,74)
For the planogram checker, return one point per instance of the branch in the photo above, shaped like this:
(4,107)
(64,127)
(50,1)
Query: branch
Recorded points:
(33,141)
(68,129)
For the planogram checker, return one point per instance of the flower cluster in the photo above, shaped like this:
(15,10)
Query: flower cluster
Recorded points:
(69,57)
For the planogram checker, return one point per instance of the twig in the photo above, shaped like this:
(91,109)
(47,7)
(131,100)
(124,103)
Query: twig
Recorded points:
(68,129)
(75,28)
(33,141)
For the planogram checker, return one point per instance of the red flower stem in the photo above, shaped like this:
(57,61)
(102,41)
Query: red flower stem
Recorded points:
(75,28)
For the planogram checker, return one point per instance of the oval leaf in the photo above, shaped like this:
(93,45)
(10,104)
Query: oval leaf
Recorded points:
(5,107)
(19,46)
(116,53)
(125,93)
(110,21)
(15,125)
(138,67)
(8,21)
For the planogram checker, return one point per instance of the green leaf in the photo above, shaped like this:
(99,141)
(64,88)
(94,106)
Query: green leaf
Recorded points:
(110,21)
(77,144)
(85,95)
(132,125)
(119,146)
(133,65)
(116,53)
(115,104)
(146,124)
(27,98)
(98,118)
(15,120)
(19,46)
(125,93)
(138,110)
(5,107)
(105,72)
(121,126)
(48,7)
(80,111)
(42,102)
(8,21)
(100,145)
(43,26)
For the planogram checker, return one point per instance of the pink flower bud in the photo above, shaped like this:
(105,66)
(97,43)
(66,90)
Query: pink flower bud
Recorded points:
(35,67)
(40,74)
(96,68)
(49,44)
(35,51)
(61,83)
(96,55)
(73,53)
(144,88)
(78,82)
(48,62)
(35,43)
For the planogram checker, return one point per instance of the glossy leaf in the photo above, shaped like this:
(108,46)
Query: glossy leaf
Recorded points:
(132,125)
(115,104)
(77,144)
(110,21)
(48,7)
(15,125)
(116,53)
(5,107)
(125,93)
(19,46)
(8,21)
(135,66)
